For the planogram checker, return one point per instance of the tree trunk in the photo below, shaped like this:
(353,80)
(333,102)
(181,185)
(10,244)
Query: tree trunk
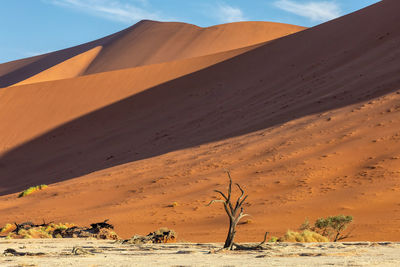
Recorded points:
(231,236)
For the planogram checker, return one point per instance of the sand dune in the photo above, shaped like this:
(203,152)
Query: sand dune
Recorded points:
(152,42)
(147,42)
(19,70)
(61,101)
(70,68)
(308,123)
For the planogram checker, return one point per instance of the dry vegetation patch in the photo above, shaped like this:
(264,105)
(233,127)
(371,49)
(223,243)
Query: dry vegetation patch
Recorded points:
(32,189)
(26,230)
(162,235)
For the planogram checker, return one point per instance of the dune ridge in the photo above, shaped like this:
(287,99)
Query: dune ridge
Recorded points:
(69,68)
(147,42)
(307,123)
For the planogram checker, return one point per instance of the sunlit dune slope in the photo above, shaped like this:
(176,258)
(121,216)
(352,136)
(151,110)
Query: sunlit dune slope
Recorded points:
(73,67)
(152,42)
(147,42)
(20,70)
(309,124)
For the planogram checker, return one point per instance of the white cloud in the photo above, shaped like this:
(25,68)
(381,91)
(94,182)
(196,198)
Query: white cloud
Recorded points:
(315,11)
(226,13)
(117,10)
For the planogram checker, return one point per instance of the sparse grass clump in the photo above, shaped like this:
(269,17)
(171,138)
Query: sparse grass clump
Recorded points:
(7,228)
(173,205)
(305,236)
(248,221)
(32,189)
(273,239)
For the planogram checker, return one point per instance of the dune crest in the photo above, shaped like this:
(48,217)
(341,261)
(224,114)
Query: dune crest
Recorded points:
(151,42)
(73,67)
(145,43)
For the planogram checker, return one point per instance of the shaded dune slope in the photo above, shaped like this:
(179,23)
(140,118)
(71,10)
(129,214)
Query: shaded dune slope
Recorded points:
(62,101)
(147,42)
(308,124)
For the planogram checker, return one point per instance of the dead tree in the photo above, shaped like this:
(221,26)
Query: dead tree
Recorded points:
(234,212)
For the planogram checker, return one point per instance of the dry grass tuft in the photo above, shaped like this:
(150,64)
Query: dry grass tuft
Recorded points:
(32,189)
(35,232)
(305,236)
(173,205)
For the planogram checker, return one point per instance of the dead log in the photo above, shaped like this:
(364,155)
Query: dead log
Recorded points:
(101,225)
(256,247)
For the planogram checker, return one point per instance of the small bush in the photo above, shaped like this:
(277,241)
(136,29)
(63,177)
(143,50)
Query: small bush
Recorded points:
(305,236)
(331,227)
(162,235)
(32,189)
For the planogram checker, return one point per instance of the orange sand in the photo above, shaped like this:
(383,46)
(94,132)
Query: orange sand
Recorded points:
(309,124)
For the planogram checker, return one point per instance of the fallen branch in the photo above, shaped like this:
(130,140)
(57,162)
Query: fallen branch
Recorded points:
(256,247)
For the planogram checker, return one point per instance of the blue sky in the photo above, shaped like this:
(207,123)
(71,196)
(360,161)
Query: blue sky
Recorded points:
(32,27)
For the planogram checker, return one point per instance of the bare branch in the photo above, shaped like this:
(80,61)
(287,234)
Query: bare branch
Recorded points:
(222,194)
(230,215)
(265,239)
(239,199)
(215,201)
(241,216)
(230,193)
(244,199)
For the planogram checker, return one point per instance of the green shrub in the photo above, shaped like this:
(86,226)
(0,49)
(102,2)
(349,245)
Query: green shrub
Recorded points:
(331,227)
(32,189)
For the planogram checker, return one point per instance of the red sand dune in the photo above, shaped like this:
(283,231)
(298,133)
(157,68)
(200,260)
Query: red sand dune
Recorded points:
(147,42)
(308,124)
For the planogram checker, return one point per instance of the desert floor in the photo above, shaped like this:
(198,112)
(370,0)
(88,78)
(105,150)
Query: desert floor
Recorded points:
(109,253)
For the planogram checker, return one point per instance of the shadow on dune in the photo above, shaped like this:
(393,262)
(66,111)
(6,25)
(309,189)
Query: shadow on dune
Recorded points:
(262,88)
